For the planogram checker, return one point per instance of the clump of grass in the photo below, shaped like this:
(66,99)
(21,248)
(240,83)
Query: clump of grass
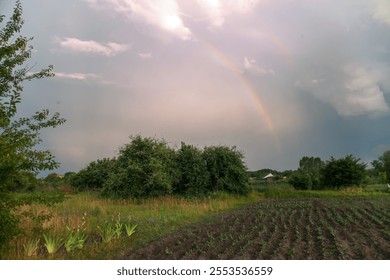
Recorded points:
(130,229)
(107,232)
(52,243)
(31,247)
(76,237)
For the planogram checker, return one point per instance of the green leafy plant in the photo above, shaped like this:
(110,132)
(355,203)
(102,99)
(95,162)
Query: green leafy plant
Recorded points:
(31,247)
(130,229)
(53,243)
(75,238)
(19,136)
(107,232)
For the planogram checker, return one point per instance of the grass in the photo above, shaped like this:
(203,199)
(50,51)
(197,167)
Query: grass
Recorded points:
(89,215)
(154,217)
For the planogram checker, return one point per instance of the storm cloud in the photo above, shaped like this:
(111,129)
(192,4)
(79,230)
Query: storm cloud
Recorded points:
(278,79)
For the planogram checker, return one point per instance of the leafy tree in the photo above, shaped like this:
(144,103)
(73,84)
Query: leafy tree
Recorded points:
(145,167)
(343,172)
(308,175)
(227,170)
(19,160)
(94,175)
(192,175)
(382,166)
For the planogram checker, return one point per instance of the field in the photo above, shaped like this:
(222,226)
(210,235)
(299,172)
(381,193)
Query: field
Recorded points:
(278,223)
(311,228)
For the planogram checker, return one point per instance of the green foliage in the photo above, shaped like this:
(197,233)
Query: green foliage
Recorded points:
(19,160)
(145,167)
(344,172)
(226,168)
(192,174)
(75,239)
(308,175)
(31,247)
(94,175)
(52,243)
(382,166)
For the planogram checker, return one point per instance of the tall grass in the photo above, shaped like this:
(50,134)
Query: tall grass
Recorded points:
(154,218)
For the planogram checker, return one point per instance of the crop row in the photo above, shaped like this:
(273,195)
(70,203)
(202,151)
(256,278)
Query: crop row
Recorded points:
(291,229)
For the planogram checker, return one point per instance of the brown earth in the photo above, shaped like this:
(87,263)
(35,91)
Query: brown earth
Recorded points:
(333,228)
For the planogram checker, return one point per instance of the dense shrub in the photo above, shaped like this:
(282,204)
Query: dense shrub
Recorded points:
(308,175)
(93,176)
(343,172)
(192,175)
(144,167)
(226,168)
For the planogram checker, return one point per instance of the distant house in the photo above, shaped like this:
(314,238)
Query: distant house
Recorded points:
(269,177)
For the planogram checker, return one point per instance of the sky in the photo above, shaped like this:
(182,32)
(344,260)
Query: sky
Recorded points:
(277,79)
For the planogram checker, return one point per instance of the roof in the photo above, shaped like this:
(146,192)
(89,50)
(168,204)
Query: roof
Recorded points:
(270,175)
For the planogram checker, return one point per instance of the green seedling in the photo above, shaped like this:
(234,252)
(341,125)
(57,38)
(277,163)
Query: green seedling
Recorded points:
(107,233)
(74,239)
(31,247)
(52,243)
(130,229)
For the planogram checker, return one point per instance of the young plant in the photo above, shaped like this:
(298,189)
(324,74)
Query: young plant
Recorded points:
(74,239)
(107,232)
(130,229)
(52,243)
(118,228)
(31,247)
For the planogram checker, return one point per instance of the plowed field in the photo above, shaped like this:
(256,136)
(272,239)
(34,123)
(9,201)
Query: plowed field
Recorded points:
(332,228)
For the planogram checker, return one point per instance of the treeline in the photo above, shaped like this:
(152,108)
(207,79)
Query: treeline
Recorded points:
(313,173)
(148,167)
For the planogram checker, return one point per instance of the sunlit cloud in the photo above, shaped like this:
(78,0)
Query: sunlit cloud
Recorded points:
(77,76)
(381,11)
(251,66)
(92,47)
(145,55)
(164,15)
(216,11)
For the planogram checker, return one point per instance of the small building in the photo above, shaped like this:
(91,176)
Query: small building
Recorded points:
(269,177)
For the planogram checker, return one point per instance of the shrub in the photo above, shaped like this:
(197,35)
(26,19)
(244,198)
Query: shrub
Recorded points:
(344,172)
(145,167)
(226,168)
(192,175)
(94,175)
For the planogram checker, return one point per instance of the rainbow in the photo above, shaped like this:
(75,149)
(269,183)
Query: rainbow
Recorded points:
(228,63)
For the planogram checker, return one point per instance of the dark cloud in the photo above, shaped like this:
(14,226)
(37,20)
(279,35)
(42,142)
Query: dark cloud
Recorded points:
(211,73)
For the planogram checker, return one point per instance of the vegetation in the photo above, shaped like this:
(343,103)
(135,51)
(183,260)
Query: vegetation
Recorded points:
(382,167)
(19,159)
(344,172)
(148,167)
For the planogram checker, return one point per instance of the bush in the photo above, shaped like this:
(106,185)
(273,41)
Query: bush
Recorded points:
(192,175)
(93,176)
(344,172)
(226,168)
(145,167)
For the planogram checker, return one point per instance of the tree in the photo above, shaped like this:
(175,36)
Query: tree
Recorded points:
(19,160)
(343,172)
(227,170)
(94,176)
(145,167)
(382,166)
(308,175)
(192,177)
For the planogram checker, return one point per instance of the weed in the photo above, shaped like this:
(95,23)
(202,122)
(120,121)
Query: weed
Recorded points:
(130,229)
(107,232)
(52,243)
(31,247)
(74,239)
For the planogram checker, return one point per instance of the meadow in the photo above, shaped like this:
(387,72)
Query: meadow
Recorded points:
(104,224)
(272,222)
